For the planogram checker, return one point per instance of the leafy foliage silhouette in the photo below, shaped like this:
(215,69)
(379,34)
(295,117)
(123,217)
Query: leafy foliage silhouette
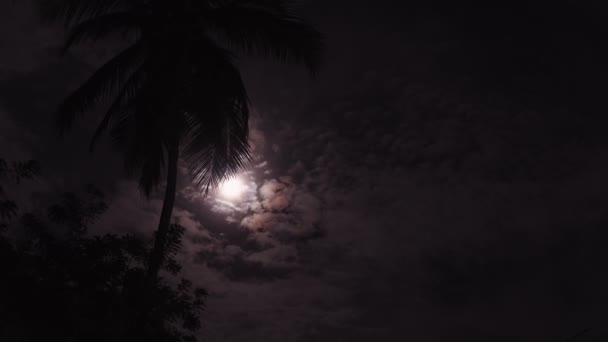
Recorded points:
(60,283)
(16,172)
(175,88)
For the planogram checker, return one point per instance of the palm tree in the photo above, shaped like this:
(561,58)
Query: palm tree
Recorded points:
(175,90)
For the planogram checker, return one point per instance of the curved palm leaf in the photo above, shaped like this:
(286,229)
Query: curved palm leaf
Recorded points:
(102,84)
(217,115)
(102,26)
(123,105)
(70,12)
(259,28)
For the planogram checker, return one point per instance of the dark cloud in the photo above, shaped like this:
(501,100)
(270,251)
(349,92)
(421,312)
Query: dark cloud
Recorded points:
(237,267)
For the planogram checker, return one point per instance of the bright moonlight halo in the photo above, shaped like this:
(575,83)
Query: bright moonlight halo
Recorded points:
(232,188)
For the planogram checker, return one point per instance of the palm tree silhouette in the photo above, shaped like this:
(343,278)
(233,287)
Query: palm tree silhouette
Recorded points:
(174,90)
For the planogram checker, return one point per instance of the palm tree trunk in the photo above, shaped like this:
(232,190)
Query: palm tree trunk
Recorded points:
(156,257)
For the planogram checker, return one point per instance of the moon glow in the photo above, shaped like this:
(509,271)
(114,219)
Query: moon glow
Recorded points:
(232,188)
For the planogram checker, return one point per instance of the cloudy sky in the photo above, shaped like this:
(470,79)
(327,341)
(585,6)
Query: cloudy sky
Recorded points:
(442,179)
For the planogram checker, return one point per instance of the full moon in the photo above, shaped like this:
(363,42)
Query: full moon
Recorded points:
(232,188)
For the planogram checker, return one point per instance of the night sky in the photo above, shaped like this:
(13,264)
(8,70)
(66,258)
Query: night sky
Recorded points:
(443,178)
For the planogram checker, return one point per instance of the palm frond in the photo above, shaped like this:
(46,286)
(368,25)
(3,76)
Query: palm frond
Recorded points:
(265,30)
(122,105)
(102,26)
(143,138)
(216,149)
(101,85)
(216,143)
(70,12)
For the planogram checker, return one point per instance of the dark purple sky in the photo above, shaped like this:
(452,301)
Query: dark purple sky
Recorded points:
(443,179)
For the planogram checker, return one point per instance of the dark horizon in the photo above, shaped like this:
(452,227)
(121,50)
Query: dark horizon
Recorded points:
(442,177)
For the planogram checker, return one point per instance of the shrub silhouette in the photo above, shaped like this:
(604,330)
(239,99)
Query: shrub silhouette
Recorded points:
(61,284)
